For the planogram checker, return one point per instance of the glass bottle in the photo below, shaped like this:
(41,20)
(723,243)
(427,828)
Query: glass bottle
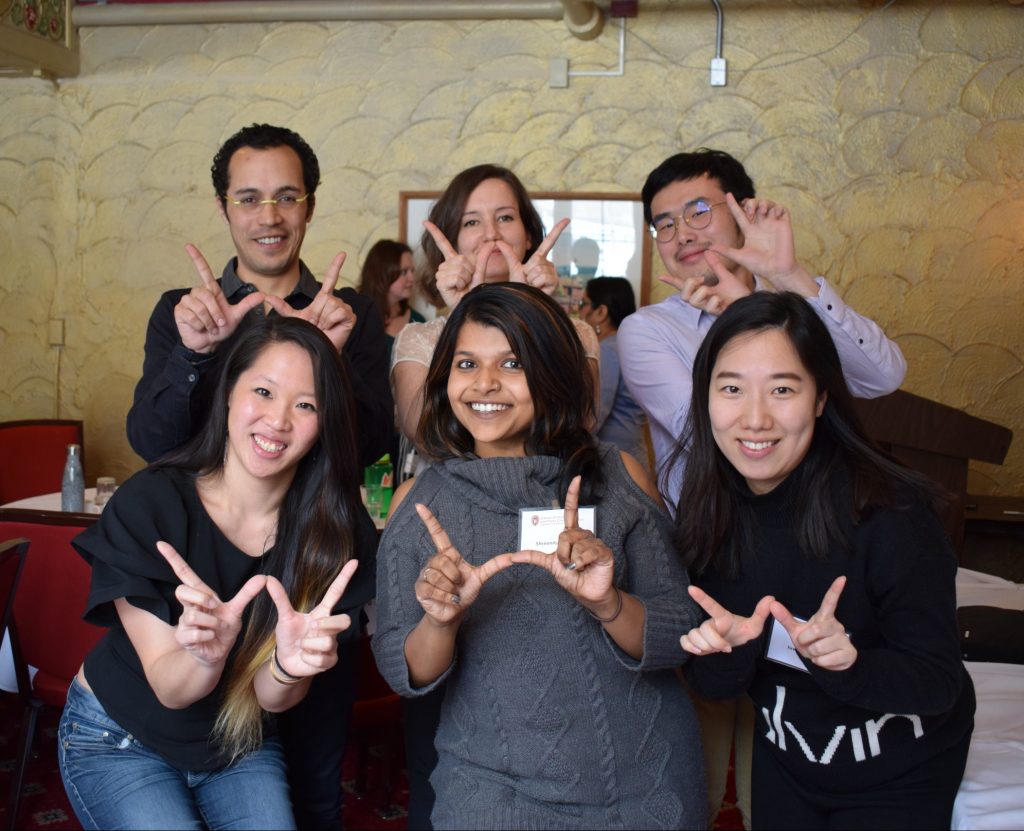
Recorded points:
(72,485)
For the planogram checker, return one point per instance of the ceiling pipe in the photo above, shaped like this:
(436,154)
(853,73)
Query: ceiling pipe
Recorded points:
(584,19)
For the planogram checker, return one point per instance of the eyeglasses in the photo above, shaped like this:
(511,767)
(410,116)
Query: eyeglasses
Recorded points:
(287,202)
(696,214)
(579,304)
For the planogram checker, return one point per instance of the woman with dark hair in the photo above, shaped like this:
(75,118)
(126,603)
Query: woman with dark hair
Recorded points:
(607,301)
(561,708)
(482,229)
(828,582)
(387,277)
(166,722)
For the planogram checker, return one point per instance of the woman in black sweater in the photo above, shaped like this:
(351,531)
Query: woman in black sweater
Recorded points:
(828,582)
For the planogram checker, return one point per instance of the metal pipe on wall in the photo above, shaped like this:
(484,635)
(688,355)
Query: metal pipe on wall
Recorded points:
(583,18)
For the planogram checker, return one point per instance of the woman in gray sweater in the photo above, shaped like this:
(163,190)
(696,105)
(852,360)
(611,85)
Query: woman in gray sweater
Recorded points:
(561,706)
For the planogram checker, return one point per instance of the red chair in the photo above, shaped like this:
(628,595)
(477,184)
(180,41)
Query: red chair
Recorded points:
(32,456)
(47,630)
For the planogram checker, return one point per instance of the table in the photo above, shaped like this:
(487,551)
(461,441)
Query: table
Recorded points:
(50,502)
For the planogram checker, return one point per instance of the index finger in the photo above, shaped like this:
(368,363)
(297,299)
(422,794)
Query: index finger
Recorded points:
(203,267)
(333,272)
(572,503)
(437,533)
(337,587)
(440,240)
(550,239)
(707,602)
(831,599)
(182,570)
(740,215)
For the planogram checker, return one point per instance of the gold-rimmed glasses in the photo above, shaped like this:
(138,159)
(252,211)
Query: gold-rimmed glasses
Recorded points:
(696,214)
(285,202)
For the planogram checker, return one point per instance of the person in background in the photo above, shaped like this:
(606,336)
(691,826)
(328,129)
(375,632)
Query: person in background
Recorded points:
(482,229)
(718,243)
(265,178)
(828,581)
(387,278)
(224,574)
(561,706)
(620,421)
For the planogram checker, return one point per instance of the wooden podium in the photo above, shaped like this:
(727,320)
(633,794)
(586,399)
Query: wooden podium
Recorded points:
(936,440)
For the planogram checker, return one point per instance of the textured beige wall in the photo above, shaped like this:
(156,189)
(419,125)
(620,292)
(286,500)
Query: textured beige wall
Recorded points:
(894,133)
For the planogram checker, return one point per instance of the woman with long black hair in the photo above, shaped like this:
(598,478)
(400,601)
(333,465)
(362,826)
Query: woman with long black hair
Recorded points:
(828,582)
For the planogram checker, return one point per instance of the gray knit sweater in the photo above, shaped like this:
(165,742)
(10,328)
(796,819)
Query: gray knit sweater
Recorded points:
(546,723)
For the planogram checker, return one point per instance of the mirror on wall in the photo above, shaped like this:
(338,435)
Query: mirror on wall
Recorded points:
(605,238)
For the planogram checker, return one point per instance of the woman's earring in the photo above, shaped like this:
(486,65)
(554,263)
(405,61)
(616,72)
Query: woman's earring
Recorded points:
(597,329)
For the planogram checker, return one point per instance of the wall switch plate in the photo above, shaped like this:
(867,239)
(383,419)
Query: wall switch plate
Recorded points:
(558,73)
(718,72)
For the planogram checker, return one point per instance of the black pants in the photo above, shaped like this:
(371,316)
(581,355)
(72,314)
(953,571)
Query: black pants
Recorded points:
(313,736)
(920,798)
(420,717)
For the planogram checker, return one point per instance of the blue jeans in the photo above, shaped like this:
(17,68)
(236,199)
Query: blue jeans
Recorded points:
(114,782)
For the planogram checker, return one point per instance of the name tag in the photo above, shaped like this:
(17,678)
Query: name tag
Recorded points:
(539,527)
(781,648)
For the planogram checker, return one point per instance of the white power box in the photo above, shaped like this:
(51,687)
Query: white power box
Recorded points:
(718,72)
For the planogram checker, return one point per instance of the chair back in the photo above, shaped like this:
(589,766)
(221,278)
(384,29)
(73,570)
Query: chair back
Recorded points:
(32,455)
(12,559)
(50,600)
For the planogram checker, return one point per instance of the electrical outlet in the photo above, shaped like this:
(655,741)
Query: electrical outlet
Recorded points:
(718,72)
(56,328)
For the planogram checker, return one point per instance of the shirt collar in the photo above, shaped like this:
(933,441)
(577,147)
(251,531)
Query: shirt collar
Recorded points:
(235,288)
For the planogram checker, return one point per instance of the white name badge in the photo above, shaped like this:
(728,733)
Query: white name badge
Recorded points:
(781,648)
(539,527)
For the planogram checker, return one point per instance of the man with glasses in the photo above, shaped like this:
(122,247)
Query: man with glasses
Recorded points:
(719,243)
(265,178)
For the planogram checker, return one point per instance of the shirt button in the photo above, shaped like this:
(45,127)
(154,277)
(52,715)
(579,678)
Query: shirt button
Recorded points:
(860,341)
(192,378)
(830,307)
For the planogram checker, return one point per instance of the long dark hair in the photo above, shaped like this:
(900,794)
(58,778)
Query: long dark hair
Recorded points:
(447,212)
(316,520)
(714,522)
(544,340)
(382,267)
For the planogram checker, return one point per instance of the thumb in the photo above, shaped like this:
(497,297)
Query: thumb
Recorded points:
(280,306)
(253,586)
(247,304)
(763,610)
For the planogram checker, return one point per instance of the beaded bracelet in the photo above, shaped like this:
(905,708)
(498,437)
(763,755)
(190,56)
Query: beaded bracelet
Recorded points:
(279,673)
(615,614)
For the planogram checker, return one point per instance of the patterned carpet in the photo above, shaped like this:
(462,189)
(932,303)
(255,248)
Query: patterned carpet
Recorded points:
(45,805)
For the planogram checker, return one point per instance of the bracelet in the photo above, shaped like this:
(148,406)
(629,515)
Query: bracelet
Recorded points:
(615,614)
(279,673)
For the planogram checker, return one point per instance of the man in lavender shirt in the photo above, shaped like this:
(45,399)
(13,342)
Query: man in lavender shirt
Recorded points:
(719,243)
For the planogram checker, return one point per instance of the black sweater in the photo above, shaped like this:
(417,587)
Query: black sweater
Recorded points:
(836,729)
